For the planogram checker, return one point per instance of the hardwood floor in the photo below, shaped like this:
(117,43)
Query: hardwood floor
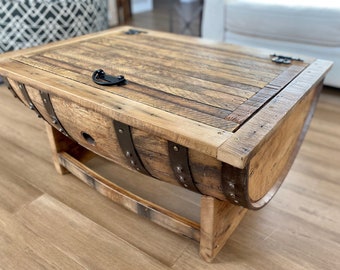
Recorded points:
(50,221)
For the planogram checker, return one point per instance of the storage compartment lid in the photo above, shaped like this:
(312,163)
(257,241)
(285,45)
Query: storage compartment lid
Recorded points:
(187,90)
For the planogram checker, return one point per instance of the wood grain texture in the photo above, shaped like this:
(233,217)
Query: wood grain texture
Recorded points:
(249,107)
(157,94)
(73,231)
(15,192)
(264,160)
(259,128)
(195,135)
(219,219)
(180,92)
(174,198)
(297,230)
(34,164)
(186,79)
(60,143)
(134,203)
(21,248)
(276,163)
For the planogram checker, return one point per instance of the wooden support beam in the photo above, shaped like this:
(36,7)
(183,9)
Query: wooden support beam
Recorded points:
(218,218)
(130,201)
(61,143)
(218,221)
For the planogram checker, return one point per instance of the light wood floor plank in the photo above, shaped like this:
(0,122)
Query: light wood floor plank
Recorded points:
(81,239)
(15,192)
(21,248)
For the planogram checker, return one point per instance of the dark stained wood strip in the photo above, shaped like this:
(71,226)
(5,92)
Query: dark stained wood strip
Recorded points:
(199,88)
(182,70)
(214,55)
(198,58)
(193,110)
(169,75)
(248,108)
(226,64)
(194,50)
(215,48)
(164,82)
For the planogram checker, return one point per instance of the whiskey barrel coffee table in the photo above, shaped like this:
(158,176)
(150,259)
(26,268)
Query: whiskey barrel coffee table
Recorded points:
(220,120)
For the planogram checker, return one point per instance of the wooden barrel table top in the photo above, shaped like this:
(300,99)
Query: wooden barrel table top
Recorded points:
(219,119)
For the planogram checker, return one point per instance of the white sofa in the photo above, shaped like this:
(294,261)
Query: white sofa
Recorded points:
(301,27)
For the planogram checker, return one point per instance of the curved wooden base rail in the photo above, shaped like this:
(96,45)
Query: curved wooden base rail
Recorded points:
(218,219)
(130,201)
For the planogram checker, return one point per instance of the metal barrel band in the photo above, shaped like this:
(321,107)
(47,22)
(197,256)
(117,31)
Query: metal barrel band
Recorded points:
(53,117)
(235,188)
(24,92)
(179,160)
(125,140)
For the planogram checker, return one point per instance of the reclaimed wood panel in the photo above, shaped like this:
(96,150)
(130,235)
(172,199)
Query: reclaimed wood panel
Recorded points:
(195,135)
(193,81)
(229,127)
(254,133)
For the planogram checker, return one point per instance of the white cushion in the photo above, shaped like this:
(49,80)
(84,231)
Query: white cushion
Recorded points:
(297,50)
(302,21)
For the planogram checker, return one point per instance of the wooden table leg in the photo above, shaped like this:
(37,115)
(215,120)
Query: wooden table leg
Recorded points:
(218,221)
(218,218)
(60,143)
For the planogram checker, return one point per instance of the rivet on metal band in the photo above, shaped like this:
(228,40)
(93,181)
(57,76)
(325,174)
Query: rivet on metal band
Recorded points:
(179,160)
(127,146)
(28,99)
(235,186)
(53,117)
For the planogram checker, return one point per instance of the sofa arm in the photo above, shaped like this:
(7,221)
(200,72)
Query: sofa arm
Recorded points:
(213,20)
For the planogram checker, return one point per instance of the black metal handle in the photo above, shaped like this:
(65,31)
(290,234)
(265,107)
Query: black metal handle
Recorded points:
(134,32)
(100,77)
(280,59)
